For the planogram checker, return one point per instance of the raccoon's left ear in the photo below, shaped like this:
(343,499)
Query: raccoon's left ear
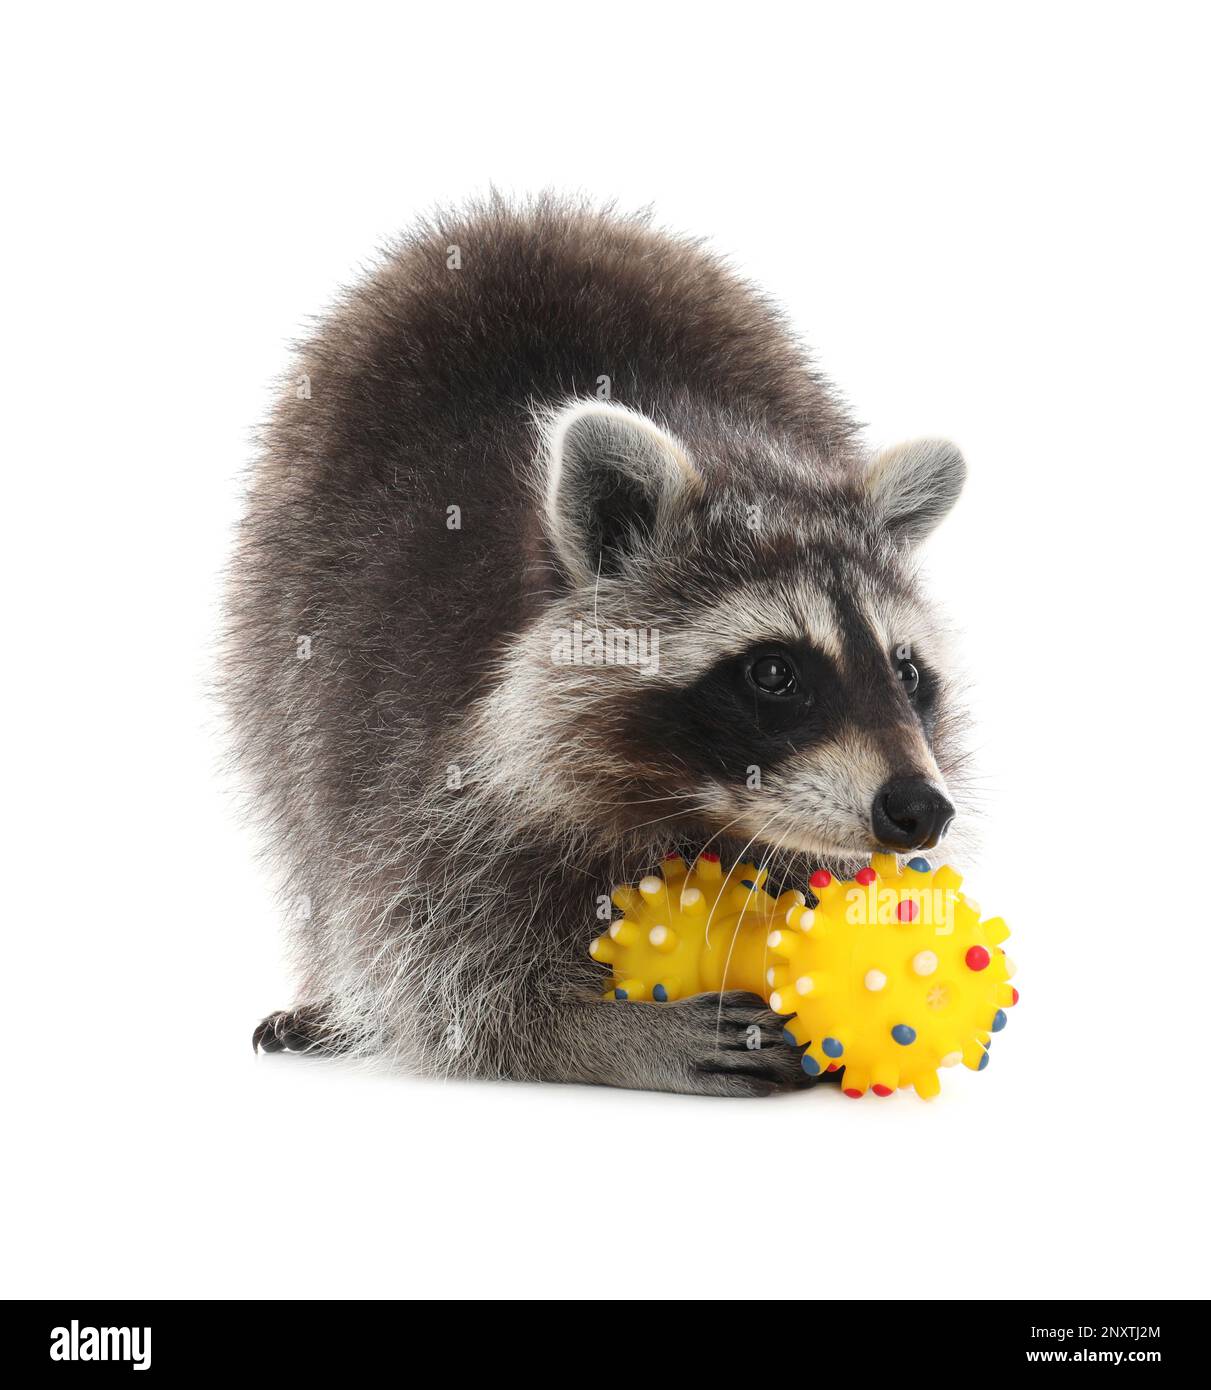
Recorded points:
(615,478)
(913,486)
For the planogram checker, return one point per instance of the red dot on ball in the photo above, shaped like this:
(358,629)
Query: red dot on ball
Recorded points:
(852,1093)
(865,876)
(881,1090)
(1016,995)
(832,1066)
(977,958)
(821,878)
(709,857)
(906,911)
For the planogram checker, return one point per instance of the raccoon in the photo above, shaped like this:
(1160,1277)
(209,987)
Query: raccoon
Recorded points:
(559,553)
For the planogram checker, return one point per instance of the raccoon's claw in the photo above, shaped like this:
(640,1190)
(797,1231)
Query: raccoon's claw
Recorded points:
(292,1030)
(740,1049)
(262,1037)
(271,1033)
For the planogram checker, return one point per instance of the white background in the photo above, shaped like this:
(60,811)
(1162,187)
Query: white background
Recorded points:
(992,223)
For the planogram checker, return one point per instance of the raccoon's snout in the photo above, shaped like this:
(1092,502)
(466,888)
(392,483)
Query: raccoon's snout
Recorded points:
(910,813)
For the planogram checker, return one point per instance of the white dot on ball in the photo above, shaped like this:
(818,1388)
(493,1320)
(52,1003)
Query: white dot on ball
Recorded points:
(952,1059)
(807,921)
(690,897)
(875,979)
(657,935)
(650,885)
(805,984)
(769,975)
(775,1002)
(773,938)
(615,928)
(924,963)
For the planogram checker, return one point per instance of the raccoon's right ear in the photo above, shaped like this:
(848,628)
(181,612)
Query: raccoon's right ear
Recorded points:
(614,478)
(913,486)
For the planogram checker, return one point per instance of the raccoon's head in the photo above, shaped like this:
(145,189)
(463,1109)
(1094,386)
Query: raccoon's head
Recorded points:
(745,650)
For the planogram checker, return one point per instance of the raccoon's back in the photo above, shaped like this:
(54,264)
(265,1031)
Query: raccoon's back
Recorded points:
(392,529)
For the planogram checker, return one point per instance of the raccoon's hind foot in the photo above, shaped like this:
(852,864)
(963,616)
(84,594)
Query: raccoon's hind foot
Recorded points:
(305,1029)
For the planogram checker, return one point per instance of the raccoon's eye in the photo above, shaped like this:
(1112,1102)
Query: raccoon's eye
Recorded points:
(774,675)
(911,677)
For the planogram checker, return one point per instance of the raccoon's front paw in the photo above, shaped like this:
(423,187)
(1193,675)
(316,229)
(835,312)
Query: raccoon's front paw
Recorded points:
(737,1047)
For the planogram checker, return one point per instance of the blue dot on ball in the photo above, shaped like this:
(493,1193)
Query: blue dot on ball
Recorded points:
(810,1065)
(660,994)
(747,883)
(620,994)
(789,1038)
(832,1048)
(903,1034)
(983,1062)
(921,865)
(999,1020)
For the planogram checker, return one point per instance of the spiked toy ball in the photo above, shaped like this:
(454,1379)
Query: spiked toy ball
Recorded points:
(890,976)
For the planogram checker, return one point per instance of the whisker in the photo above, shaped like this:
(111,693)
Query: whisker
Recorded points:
(673,815)
(739,857)
(736,931)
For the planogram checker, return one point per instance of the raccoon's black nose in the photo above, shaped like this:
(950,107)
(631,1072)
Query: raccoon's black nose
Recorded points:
(909,813)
